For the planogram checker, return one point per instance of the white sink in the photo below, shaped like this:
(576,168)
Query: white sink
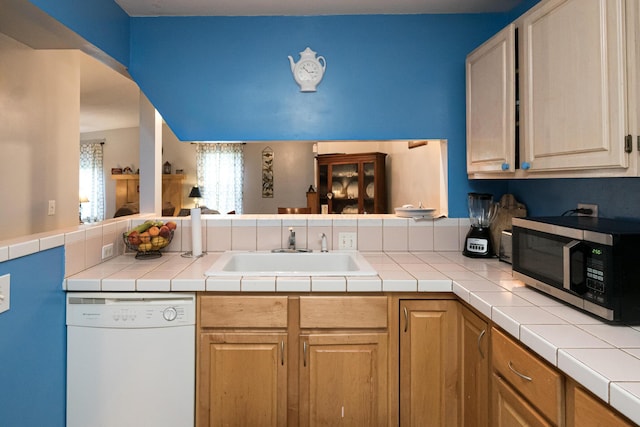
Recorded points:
(291,264)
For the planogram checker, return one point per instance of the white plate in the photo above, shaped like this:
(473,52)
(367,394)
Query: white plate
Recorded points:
(414,212)
(370,190)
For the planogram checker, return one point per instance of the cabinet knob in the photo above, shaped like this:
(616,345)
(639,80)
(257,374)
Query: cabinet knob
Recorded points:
(505,166)
(525,165)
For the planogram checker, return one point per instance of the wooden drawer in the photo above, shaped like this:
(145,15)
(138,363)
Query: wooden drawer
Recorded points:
(243,311)
(540,384)
(343,312)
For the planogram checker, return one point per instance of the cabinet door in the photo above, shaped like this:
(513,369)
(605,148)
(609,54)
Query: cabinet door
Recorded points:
(344,187)
(370,203)
(573,109)
(511,410)
(428,363)
(343,379)
(584,410)
(474,370)
(243,379)
(491,105)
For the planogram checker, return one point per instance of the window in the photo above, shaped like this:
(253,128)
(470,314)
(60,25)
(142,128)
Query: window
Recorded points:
(220,173)
(91,182)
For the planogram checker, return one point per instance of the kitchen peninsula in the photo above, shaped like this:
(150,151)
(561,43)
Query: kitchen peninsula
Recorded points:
(584,353)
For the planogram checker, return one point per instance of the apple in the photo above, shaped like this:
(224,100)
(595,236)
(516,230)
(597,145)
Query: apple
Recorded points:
(165,231)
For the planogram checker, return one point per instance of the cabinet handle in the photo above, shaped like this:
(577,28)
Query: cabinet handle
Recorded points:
(524,377)
(525,166)
(282,352)
(484,331)
(304,354)
(406,319)
(505,166)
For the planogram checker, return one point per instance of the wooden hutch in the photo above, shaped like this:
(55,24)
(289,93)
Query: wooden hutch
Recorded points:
(352,183)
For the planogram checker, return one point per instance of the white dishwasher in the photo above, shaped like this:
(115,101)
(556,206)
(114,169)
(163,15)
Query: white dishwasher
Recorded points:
(130,359)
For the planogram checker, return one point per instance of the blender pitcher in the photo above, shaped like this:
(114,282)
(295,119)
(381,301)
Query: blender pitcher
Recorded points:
(482,211)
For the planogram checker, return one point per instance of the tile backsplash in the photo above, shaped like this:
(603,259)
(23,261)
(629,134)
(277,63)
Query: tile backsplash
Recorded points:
(375,233)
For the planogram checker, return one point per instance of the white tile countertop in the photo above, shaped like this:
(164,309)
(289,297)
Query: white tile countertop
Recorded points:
(603,358)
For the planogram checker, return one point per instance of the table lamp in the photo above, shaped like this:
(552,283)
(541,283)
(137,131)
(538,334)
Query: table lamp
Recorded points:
(195,193)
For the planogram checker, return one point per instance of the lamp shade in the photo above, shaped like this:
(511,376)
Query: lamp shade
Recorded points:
(195,192)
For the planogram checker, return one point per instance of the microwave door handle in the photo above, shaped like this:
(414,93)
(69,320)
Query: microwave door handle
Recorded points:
(566,262)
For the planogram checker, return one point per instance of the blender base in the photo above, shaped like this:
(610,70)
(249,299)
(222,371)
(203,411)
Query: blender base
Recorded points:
(478,244)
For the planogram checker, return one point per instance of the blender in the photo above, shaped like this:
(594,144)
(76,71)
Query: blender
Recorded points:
(482,211)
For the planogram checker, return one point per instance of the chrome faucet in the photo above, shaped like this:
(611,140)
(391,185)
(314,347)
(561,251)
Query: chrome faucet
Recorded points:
(323,247)
(292,239)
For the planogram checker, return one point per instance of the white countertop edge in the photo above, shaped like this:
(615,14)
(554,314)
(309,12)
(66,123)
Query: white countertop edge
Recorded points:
(624,397)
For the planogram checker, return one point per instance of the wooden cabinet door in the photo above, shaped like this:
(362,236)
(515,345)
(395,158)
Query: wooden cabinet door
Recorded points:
(243,379)
(429,363)
(474,370)
(512,410)
(573,74)
(343,379)
(491,105)
(584,410)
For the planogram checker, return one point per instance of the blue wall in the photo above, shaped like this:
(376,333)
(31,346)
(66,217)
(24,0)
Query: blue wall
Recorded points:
(388,77)
(101,22)
(615,197)
(33,342)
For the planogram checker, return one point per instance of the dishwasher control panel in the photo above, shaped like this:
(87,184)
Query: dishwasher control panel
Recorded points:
(130,311)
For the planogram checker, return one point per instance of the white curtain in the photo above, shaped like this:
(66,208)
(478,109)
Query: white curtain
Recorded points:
(91,182)
(220,174)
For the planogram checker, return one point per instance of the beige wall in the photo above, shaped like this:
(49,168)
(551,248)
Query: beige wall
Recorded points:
(292,175)
(39,133)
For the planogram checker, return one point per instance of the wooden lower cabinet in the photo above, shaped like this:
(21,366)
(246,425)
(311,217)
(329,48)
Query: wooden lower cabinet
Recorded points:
(343,380)
(292,361)
(242,364)
(474,369)
(586,410)
(246,378)
(374,360)
(429,392)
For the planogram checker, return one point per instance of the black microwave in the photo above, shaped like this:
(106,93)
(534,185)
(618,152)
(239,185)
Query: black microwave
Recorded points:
(590,263)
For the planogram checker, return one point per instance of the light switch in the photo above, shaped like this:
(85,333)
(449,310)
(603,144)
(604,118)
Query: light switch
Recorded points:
(4,292)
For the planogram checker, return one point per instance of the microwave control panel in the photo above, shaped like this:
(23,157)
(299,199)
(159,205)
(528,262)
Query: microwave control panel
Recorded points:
(595,274)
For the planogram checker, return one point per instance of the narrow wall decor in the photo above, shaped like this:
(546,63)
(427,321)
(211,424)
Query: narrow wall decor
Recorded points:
(267,173)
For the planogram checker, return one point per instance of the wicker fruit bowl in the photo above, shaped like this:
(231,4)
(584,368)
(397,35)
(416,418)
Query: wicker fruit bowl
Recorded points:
(149,237)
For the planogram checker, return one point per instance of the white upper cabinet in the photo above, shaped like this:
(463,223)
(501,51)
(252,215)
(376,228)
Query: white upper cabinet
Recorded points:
(573,85)
(576,79)
(490,71)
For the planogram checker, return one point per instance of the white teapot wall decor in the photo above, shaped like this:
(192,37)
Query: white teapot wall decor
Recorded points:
(308,71)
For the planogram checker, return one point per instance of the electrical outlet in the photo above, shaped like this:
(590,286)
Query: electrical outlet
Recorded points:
(107,251)
(594,209)
(52,208)
(4,292)
(348,241)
